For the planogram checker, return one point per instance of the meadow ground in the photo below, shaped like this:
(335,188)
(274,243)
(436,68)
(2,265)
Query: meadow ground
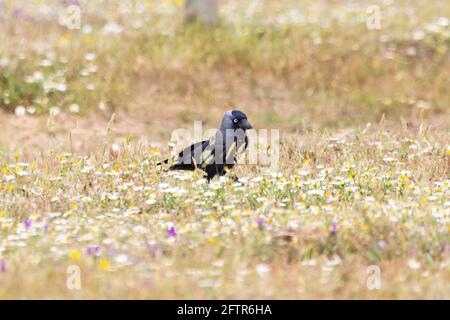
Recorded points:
(363,187)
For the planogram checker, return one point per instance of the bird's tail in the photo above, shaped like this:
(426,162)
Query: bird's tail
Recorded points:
(162,162)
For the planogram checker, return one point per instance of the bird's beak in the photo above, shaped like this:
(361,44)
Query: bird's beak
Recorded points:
(245,125)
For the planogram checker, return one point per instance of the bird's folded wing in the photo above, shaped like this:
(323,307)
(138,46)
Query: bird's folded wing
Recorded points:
(201,154)
(195,155)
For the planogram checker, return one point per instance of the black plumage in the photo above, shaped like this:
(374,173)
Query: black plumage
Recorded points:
(218,154)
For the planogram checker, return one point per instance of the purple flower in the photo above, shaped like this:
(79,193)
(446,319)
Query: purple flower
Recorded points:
(334,228)
(3,266)
(93,250)
(20,14)
(171,232)
(260,222)
(27,222)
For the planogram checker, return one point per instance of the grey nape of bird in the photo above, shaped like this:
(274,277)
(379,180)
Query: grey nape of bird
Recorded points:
(218,154)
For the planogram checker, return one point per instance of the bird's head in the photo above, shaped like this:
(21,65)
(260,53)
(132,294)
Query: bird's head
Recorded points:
(235,119)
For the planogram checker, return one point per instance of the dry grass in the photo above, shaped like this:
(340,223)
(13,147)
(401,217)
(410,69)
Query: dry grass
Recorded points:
(348,194)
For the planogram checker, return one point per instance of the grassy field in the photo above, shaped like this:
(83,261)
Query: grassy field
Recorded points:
(363,182)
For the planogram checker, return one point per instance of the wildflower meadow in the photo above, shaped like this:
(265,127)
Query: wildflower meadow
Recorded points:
(351,202)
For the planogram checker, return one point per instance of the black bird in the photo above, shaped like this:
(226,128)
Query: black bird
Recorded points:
(218,154)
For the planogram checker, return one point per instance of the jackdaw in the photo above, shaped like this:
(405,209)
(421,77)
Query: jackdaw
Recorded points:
(218,154)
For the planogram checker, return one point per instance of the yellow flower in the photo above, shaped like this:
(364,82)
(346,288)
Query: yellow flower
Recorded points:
(150,151)
(9,5)
(376,64)
(104,264)
(63,40)
(448,150)
(88,38)
(3,213)
(75,255)
(149,4)
(441,49)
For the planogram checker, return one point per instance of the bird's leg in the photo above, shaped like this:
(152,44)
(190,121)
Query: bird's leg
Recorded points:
(234,178)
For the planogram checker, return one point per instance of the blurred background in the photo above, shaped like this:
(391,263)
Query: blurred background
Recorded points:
(67,66)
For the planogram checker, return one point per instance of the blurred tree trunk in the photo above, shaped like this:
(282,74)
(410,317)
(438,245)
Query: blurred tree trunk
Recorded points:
(206,11)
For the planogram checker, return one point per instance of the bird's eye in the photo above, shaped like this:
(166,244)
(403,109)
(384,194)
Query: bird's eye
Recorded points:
(235,120)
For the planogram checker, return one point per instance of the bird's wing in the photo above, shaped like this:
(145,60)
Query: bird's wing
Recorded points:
(194,156)
(201,154)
